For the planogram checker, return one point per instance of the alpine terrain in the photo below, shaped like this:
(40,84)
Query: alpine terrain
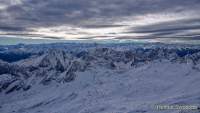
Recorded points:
(99,78)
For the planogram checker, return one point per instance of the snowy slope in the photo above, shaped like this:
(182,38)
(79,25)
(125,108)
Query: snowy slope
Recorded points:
(101,80)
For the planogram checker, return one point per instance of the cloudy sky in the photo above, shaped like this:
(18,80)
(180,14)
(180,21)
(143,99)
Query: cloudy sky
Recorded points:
(155,20)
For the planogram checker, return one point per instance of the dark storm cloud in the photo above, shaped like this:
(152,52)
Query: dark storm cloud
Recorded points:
(30,35)
(171,28)
(26,14)
(12,28)
(102,26)
(55,12)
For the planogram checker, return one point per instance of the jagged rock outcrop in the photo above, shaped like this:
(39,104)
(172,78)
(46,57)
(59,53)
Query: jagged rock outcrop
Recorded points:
(61,66)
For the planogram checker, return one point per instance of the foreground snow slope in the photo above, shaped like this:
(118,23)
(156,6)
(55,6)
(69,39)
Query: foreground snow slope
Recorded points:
(101,80)
(101,90)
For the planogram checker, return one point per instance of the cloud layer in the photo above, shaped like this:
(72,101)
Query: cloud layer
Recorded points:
(101,19)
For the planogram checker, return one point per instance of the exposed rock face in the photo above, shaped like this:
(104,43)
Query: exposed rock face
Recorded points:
(100,79)
(61,66)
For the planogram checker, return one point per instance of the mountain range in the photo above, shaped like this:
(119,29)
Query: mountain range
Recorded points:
(98,78)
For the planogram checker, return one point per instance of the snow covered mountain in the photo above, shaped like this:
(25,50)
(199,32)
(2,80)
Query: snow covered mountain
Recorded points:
(90,78)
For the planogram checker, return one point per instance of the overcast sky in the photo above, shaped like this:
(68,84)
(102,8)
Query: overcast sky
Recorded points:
(157,20)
